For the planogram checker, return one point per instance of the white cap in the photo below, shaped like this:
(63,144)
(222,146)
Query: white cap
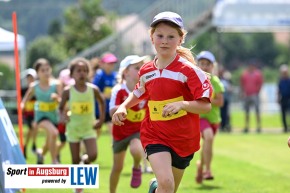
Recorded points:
(168,16)
(27,72)
(127,61)
(132,59)
(206,55)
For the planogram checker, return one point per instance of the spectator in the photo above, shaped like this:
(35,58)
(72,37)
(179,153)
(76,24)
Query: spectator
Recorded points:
(105,79)
(251,82)
(225,77)
(284,95)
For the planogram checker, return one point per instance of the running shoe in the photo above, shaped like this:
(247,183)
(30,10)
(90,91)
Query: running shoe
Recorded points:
(136,177)
(152,185)
(79,190)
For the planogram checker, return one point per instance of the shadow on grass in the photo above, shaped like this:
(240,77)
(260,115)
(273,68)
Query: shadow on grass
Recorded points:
(208,187)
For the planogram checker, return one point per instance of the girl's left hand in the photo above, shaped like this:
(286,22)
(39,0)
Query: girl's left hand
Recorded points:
(289,142)
(171,108)
(98,124)
(54,96)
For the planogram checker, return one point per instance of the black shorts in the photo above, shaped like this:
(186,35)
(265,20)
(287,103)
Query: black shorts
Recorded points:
(122,145)
(107,117)
(29,121)
(177,161)
(61,136)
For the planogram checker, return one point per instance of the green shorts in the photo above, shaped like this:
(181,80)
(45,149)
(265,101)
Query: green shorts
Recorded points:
(121,145)
(74,135)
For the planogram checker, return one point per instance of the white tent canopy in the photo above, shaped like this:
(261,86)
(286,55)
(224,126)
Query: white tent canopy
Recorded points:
(7,45)
(7,40)
(252,15)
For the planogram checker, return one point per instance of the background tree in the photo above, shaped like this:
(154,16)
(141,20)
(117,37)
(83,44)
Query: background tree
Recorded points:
(84,25)
(7,77)
(45,47)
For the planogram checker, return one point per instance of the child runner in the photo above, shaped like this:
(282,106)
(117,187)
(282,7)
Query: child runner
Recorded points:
(177,91)
(209,122)
(46,91)
(81,124)
(105,79)
(128,134)
(65,80)
(28,112)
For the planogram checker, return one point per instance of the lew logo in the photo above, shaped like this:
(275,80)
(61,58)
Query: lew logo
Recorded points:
(51,176)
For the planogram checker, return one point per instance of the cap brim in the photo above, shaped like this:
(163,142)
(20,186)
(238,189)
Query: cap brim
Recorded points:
(137,60)
(154,23)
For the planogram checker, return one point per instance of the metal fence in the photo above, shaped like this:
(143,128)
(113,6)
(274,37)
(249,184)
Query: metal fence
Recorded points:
(134,38)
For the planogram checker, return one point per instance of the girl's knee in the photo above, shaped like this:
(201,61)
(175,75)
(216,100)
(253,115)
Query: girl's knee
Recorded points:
(166,184)
(92,157)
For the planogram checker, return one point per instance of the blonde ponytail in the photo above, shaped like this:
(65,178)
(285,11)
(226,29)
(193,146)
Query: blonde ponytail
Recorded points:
(186,53)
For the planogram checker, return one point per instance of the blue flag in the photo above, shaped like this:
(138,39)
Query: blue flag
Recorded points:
(10,152)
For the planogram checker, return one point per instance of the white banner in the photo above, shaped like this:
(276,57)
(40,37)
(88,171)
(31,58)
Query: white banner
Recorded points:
(51,176)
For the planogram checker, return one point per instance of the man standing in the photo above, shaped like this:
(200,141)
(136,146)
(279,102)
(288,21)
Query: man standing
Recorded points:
(284,95)
(251,82)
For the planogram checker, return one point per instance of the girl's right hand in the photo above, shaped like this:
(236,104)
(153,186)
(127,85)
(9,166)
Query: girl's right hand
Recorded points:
(22,105)
(64,117)
(119,116)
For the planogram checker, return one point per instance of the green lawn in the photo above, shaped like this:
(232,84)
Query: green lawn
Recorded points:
(243,163)
(269,121)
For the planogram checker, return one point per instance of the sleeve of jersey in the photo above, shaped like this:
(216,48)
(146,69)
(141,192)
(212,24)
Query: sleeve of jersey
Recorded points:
(140,89)
(218,87)
(199,84)
(115,100)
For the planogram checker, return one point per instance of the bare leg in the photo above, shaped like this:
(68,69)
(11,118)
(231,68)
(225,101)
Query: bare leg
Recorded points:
(91,149)
(52,134)
(75,152)
(177,174)
(207,148)
(136,151)
(161,165)
(118,162)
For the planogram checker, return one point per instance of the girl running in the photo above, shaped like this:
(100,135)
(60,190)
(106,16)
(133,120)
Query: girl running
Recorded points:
(128,134)
(47,92)
(81,123)
(177,91)
(209,122)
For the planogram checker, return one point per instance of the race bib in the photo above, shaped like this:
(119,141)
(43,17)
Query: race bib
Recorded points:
(81,108)
(47,106)
(136,116)
(156,108)
(107,92)
(29,106)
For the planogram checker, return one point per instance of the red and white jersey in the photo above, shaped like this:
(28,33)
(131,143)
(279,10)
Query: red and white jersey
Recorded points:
(135,114)
(179,81)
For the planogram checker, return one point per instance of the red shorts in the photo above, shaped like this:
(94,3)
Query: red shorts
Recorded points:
(205,124)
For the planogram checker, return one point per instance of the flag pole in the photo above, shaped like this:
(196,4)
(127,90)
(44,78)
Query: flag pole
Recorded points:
(17,77)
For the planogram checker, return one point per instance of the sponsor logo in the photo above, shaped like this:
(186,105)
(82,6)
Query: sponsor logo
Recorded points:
(205,86)
(51,176)
(150,76)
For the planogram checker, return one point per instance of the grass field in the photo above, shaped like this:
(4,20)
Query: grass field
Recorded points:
(243,163)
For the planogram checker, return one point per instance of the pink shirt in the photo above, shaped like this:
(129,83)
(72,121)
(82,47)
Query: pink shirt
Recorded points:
(251,82)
